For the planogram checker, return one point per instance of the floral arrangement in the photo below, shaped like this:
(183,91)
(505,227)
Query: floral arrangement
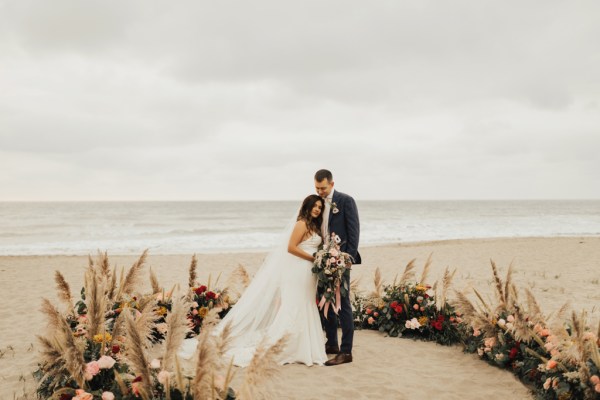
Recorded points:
(408,309)
(106,347)
(204,300)
(559,359)
(331,266)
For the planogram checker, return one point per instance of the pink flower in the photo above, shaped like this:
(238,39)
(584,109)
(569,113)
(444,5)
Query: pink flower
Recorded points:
(376,314)
(544,332)
(368,311)
(597,388)
(551,364)
(370,320)
(476,332)
(91,369)
(195,312)
(416,306)
(108,396)
(594,380)
(510,318)
(82,395)
(106,362)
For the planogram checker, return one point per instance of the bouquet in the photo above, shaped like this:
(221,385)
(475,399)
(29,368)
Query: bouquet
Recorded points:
(330,266)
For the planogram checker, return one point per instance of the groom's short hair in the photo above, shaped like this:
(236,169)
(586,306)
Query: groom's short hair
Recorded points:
(323,174)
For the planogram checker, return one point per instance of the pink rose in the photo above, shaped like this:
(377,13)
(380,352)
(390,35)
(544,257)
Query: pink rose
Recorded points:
(376,314)
(370,320)
(106,362)
(594,380)
(108,396)
(369,311)
(91,369)
(416,306)
(597,388)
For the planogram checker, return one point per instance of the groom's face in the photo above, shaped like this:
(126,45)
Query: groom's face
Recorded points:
(324,187)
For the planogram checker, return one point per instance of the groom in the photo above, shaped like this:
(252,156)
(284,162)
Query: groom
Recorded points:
(340,216)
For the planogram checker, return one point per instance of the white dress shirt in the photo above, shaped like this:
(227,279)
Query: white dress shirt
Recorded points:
(326,211)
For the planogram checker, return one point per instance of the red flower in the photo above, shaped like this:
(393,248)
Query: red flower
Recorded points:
(513,353)
(200,290)
(398,309)
(137,379)
(115,348)
(393,304)
(211,295)
(66,396)
(437,325)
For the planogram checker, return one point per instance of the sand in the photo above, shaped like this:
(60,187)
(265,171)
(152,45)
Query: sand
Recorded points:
(557,269)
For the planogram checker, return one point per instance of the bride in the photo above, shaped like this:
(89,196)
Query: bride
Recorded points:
(280,299)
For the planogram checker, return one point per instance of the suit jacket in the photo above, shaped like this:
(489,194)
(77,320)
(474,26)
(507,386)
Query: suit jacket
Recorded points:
(345,223)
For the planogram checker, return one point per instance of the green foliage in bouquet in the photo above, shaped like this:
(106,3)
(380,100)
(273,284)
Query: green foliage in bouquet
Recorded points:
(332,269)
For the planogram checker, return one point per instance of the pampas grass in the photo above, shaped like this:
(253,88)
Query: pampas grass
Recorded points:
(192,272)
(136,356)
(63,290)
(409,272)
(263,368)
(177,328)
(133,276)
(96,303)
(154,283)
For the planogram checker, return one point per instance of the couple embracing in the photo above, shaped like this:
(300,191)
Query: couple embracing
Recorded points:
(280,300)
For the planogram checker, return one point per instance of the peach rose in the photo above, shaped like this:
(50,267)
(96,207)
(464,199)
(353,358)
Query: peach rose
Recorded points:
(594,380)
(544,332)
(370,320)
(108,396)
(551,364)
(597,388)
(510,318)
(547,383)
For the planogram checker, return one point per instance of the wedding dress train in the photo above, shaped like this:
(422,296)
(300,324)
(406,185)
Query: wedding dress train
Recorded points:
(280,300)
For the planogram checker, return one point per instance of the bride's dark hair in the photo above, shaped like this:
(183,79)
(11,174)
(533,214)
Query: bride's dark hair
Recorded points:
(313,224)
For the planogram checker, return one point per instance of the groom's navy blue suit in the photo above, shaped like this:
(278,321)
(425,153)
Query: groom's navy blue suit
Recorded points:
(344,223)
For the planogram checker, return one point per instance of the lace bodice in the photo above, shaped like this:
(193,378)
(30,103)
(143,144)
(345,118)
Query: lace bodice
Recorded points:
(311,244)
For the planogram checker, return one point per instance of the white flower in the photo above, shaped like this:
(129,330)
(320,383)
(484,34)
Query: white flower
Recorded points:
(106,362)
(501,323)
(337,239)
(155,364)
(108,396)
(412,324)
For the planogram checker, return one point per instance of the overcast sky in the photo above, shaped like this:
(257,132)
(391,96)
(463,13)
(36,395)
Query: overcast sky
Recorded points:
(224,100)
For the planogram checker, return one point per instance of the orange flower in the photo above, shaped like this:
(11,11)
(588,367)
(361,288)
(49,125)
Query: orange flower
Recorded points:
(551,364)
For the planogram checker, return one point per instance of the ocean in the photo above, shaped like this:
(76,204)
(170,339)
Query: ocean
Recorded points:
(81,228)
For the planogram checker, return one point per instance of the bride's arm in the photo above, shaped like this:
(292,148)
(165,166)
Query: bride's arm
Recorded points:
(298,233)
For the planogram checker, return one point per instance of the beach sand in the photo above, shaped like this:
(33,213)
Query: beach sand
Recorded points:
(556,269)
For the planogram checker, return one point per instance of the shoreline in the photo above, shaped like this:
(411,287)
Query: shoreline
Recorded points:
(267,250)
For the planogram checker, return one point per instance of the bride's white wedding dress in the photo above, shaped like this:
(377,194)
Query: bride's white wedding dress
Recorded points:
(280,300)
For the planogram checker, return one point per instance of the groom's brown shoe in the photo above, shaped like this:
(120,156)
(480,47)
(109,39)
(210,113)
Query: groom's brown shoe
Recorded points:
(341,358)
(332,350)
